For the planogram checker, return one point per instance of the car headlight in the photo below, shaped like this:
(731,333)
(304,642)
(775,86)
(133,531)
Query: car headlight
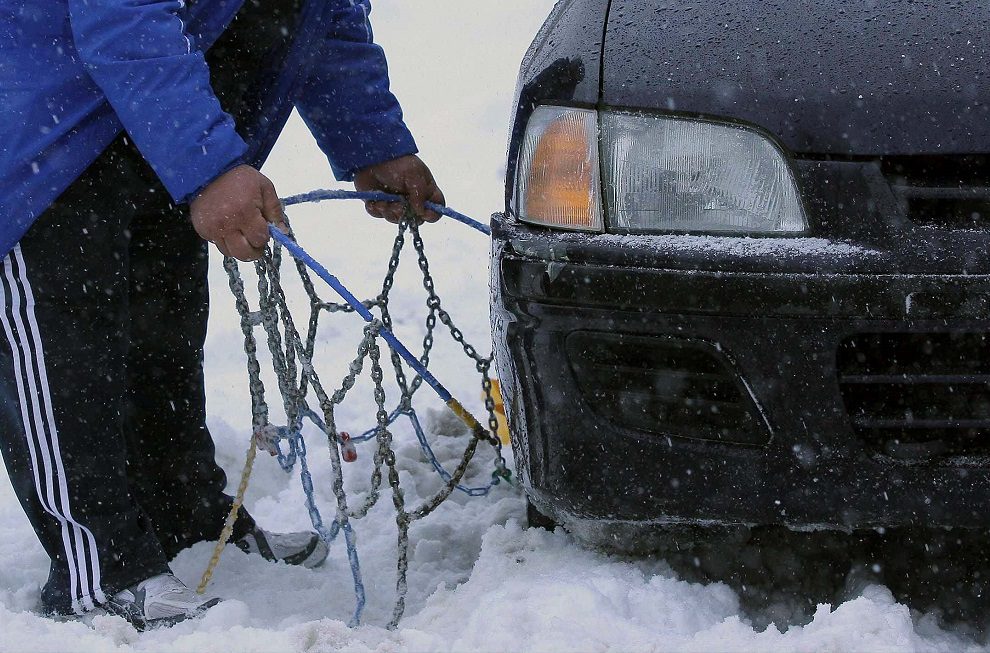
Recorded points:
(661,174)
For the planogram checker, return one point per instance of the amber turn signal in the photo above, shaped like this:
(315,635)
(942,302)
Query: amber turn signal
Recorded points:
(558,170)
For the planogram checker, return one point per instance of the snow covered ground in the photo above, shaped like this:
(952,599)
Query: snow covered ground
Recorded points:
(479,580)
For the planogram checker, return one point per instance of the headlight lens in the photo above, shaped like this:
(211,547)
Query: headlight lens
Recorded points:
(671,174)
(661,174)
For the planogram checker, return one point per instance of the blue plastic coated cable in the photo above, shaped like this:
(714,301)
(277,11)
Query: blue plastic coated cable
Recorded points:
(293,435)
(314,265)
(424,444)
(378,196)
(298,453)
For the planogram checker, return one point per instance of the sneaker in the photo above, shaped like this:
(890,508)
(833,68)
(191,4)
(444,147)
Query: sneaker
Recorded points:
(305,549)
(161,600)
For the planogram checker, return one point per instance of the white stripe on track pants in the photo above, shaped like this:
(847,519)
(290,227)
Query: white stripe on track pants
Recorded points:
(102,425)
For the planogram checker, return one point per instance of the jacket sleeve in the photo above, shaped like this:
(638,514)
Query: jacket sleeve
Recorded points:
(139,54)
(346,102)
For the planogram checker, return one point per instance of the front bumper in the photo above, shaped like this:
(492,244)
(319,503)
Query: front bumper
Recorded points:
(782,323)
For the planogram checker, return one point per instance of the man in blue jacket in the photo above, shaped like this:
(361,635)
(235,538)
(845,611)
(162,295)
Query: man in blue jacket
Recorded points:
(131,132)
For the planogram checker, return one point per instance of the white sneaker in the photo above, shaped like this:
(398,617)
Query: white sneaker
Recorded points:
(305,549)
(161,600)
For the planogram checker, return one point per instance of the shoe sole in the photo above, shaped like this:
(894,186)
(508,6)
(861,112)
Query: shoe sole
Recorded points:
(141,624)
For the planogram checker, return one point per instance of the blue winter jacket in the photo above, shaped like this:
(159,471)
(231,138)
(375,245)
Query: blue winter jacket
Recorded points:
(74,73)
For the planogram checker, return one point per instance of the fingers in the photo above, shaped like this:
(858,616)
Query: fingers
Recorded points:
(390,211)
(256,233)
(394,211)
(375,209)
(405,175)
(243,238)
(237,245)
(436,197)
(222,246)
(423,189)
(249,233)
(418,199)
(233,211)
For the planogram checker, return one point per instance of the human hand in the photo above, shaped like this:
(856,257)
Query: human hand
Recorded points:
(407,176)
(234,210)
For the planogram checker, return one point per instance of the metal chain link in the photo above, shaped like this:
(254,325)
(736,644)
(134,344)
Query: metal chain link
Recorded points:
(482,364)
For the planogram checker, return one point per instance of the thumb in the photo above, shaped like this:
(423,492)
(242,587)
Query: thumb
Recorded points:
(417,199)
(271,206)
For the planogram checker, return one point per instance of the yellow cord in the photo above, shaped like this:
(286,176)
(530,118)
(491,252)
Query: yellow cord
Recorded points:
(228,526)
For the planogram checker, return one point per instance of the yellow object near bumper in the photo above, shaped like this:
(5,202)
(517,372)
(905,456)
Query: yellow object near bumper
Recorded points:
(503,423)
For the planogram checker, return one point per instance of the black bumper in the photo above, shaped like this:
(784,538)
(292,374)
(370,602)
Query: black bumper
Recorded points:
(818,449)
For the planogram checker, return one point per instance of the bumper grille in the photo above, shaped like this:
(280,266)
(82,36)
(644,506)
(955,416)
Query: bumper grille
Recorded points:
(918,395)
(945,192)
(665,386)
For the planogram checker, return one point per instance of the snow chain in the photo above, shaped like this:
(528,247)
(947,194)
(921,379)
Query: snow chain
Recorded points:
(292,360)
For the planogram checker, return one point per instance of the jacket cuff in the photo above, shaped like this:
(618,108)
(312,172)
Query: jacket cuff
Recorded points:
(200,164)
(371,144)
(240,160)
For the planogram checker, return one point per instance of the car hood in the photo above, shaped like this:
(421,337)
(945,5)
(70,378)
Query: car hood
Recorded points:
(836,77)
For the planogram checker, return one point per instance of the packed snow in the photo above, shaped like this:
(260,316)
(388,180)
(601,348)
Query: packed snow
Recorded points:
(479,579)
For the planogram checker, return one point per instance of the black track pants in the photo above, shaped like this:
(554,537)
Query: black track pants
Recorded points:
(102,407)
(105,306)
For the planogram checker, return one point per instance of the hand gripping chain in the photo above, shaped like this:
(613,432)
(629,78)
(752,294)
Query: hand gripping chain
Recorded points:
(299,384)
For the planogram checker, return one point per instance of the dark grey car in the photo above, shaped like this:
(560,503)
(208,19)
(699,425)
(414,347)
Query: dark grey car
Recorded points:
(743,276)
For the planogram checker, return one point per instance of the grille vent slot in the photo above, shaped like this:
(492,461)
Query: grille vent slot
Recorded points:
(918,395)
(943,192)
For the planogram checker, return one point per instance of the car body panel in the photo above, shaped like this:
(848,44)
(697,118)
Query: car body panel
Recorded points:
(832,338)
(833,77)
